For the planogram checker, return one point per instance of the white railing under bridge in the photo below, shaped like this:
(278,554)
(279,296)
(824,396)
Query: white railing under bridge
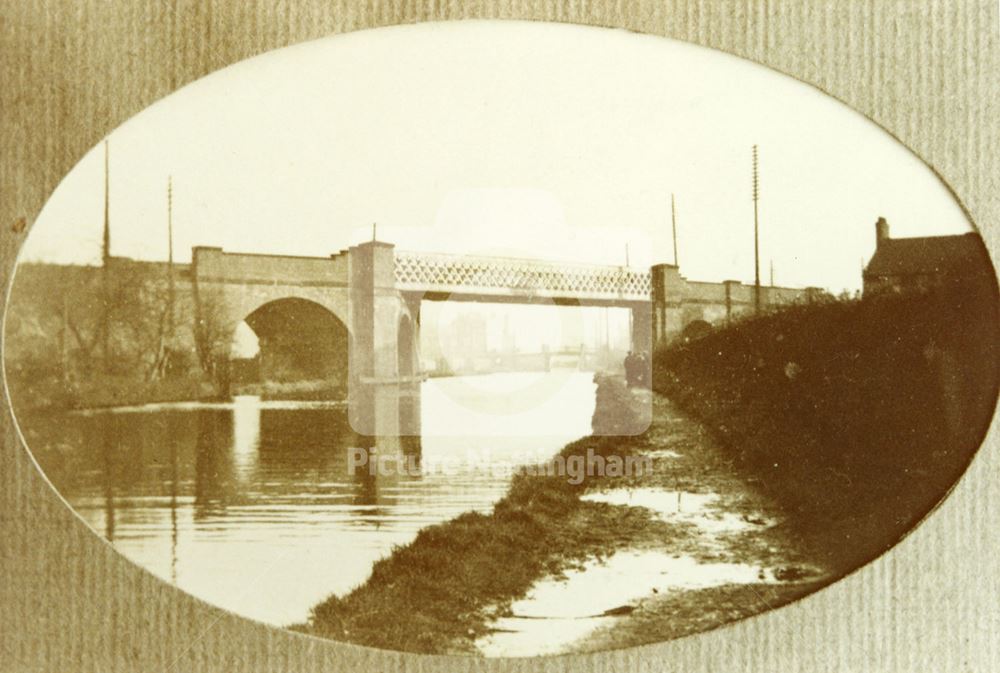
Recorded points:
(507,276)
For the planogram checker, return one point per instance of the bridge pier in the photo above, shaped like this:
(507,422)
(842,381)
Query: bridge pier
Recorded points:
(642,328)
(667,293)
(382,402)
(368,298)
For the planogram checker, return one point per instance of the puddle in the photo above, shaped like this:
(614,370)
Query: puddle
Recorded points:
(663,453)
(559,612)
(683,506)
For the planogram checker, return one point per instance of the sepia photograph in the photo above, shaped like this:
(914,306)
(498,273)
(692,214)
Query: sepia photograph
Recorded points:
(501,339)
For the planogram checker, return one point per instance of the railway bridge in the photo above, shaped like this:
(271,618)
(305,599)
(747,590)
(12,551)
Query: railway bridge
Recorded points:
(356,314)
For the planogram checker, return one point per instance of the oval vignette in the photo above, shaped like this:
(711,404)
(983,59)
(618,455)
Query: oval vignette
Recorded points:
(501,339)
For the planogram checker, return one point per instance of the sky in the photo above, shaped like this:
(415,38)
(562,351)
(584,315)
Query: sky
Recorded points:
(539,140)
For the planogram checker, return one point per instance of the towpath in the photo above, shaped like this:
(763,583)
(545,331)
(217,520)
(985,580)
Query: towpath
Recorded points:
(735,556)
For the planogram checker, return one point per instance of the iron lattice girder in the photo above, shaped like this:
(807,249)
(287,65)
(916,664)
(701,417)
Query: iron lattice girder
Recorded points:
(474,275)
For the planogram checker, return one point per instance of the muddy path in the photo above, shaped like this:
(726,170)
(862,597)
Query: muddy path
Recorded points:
(732,555)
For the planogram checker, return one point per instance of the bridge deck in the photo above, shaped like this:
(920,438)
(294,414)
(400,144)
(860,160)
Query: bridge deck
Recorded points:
(460,276)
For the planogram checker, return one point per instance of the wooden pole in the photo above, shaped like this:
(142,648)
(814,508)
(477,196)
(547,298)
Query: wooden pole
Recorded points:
(170,259)
(756,232)
(106,270)
(106,242)
(673,225)
(64,338)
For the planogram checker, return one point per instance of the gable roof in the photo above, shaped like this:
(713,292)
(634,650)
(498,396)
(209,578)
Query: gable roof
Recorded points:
(961,255)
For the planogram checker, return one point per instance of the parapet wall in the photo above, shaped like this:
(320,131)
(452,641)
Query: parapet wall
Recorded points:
(217,265)
(679,303)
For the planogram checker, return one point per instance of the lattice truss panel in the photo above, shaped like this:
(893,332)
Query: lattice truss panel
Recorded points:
(461,273)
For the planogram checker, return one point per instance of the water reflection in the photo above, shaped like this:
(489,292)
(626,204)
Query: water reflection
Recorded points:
(107,456)
(174,474)
(251,505)
(560,611)
(213,475)
(246,433)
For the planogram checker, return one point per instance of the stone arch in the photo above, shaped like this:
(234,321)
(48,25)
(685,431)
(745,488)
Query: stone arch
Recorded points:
(696,329)
(300,340)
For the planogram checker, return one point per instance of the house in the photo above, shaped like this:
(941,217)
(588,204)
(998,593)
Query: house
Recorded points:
(922,263)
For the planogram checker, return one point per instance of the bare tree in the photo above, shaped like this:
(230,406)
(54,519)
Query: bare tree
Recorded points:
(54,319)
(211,336)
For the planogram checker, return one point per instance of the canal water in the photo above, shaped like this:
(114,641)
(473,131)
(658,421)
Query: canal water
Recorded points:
(252,506)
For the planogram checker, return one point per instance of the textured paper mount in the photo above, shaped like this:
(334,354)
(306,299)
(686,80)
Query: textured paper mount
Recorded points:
(72,70)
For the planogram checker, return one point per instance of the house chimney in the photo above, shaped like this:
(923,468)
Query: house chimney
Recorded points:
(881,231)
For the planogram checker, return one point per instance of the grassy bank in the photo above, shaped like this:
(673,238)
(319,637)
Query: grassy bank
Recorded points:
(856,416)
(437,594)
(98,390)
(42,394)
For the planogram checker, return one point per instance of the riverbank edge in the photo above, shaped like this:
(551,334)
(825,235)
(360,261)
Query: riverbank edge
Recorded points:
(445,590)
(454,578)
(104,393)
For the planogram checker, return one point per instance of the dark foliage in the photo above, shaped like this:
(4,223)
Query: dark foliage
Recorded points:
(857,416)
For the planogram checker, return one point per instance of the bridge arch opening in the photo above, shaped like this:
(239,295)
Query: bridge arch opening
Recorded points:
(297,341)
(696,329)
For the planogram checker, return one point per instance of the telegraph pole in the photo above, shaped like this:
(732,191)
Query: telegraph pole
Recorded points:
(106,271)
(621,285)
(171,296)
(64,338)
(756,232)
(673,225)
(106,242)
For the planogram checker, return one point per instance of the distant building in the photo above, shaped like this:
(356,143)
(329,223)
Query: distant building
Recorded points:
(922,263)
(464,343)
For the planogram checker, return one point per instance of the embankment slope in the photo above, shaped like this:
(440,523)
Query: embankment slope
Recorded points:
(857,416)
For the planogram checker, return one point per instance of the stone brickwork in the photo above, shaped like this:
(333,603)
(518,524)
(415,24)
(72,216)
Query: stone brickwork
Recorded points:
(679,304)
